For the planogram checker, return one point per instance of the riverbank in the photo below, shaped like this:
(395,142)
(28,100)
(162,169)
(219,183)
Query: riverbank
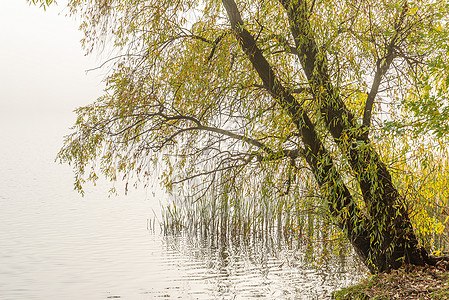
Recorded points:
(410,282)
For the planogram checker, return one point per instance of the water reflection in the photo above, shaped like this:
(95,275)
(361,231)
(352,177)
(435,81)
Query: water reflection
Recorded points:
(57,245)
(264,267)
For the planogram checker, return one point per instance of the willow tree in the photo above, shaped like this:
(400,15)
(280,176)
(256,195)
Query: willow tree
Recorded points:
(201,89)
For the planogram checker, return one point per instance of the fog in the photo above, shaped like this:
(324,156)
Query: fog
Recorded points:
(42,62)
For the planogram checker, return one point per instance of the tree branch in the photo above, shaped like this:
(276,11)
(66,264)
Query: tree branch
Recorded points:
(382,66)
(381,70)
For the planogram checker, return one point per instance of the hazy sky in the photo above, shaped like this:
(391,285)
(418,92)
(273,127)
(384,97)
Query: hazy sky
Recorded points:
(41,61)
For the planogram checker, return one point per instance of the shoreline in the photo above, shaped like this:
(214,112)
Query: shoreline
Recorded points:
(409,282)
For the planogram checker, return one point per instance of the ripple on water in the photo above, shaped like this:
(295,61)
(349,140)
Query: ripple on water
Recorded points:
(256,274)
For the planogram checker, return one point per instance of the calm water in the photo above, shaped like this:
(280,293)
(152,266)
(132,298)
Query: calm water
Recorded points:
(54,244)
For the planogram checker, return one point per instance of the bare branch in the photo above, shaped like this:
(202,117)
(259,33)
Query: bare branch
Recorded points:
(382,67)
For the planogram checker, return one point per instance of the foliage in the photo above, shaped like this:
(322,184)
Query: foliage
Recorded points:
(251,98)
(182,78)
(425,110)
(420,167)
(42,3)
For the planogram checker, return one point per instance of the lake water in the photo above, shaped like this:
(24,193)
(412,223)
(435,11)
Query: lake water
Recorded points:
(54,244)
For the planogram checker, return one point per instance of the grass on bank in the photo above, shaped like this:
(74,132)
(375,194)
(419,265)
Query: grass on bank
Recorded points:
(409,282)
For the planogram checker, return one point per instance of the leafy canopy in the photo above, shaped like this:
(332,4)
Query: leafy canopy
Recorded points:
(184,103)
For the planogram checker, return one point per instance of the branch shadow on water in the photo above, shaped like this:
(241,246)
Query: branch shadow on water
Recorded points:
(225,259)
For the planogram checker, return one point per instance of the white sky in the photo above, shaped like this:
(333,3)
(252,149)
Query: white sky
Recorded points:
(42,65)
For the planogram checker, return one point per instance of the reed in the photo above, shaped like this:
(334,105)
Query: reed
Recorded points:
(231,215)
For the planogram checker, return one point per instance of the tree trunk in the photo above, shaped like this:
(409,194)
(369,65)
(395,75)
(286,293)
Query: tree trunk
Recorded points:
(382,236)
(392,237)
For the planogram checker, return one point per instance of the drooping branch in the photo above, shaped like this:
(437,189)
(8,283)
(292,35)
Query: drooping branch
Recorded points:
(270,154)
(200,126)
